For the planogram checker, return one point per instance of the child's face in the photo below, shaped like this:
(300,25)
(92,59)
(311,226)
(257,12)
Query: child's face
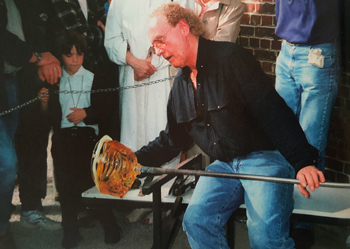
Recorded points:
(73,61)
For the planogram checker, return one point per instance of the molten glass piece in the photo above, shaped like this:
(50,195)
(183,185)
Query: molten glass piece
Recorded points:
(114,167)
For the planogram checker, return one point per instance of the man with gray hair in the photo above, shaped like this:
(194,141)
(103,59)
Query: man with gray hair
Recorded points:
(222,100)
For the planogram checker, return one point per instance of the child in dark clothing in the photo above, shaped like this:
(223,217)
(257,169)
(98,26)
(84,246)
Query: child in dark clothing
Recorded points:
(75,119)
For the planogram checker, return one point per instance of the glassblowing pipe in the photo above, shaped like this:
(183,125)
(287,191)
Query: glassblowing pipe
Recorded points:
(114,169)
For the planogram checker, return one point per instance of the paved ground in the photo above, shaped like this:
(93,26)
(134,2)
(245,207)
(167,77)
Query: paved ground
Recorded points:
(135,235)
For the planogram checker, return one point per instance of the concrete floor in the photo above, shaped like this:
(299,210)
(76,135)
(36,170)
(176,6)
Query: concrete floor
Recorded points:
(137,235)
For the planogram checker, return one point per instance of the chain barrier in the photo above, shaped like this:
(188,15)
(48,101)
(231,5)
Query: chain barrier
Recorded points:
(88,91)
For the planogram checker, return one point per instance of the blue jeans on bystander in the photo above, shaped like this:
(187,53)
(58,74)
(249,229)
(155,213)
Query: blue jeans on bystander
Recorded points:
(310,91)
(8,159)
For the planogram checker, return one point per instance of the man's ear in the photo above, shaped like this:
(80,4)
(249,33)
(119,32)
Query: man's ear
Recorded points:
(184,27)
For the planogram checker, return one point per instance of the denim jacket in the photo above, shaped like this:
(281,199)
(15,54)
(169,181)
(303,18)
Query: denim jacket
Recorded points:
(234,112)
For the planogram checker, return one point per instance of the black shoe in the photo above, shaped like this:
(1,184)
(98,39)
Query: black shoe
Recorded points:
(7,241)
(86,221)
(112,236)
(71,237)
(303,238)
(13,208)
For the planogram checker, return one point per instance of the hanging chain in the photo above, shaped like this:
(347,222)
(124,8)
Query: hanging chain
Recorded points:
(117,88)
(87,91)
(23,105)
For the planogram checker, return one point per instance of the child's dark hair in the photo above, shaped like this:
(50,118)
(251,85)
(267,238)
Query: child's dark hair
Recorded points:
(69,38)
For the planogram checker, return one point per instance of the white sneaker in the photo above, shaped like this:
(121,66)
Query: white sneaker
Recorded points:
(36,219)
(348,242)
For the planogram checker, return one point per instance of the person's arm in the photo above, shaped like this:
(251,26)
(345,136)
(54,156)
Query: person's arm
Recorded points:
(67,15)
(17,52)
(229,22)
(97,110)
(167,145)
(117,46)
(142,68)
(115,42)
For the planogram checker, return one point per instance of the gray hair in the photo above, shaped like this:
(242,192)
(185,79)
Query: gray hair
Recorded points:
(173,13)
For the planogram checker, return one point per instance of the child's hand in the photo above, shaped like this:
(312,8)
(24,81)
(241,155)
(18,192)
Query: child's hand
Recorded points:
(76,116)
(44,100)
(46,97)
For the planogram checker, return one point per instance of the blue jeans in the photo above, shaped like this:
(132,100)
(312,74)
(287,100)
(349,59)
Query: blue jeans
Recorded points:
(8,159)
(308,90)
(269,205)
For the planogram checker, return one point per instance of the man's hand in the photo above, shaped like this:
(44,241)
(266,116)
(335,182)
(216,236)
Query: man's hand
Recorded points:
(76,116)
(309,176)
(143,69)
(100,24)
(50,72)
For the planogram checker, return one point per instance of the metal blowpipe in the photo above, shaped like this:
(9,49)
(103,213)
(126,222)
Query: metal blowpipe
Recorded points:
(160,171)
(115,168)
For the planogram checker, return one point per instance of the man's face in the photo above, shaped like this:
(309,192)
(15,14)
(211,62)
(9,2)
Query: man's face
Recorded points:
(168,41)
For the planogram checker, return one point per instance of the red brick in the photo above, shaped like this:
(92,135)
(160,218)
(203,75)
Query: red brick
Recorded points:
(265,55)
(243,41)
(347,168)
(254,43)
(247,31)
(265,43)
(267,20)
(266,66)
(264,32)
(344,155)
(245,19)
(334,164)
(255,20)
(343,91)
(276,45)
(249,7)
(274,68)
(342,178)
(265,8)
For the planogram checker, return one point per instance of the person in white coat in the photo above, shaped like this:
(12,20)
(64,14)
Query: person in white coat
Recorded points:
(142,110)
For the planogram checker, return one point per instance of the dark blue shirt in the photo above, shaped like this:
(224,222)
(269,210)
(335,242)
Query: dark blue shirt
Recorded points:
(235,111)
(308,22)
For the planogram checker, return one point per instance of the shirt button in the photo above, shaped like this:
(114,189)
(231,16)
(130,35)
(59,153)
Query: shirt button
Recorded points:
(214,143)
(202,104)
(208,124)
(218,106)
(201,65)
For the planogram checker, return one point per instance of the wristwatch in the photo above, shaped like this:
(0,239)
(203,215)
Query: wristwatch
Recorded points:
(38,55)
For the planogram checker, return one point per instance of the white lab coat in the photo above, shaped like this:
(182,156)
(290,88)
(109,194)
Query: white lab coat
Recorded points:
(142,110)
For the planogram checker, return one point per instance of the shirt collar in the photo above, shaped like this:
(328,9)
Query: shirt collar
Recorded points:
(203,57)
(80,72)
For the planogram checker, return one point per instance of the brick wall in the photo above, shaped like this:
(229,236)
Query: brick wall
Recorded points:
(257,34)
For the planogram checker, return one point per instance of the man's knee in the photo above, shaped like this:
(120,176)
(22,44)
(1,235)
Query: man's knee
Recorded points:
(190,219)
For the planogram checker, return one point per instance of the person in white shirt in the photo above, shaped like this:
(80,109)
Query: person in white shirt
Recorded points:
(75,118)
